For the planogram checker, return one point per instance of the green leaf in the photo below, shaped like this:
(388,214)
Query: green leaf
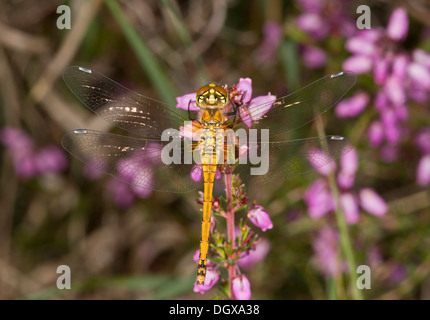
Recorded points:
(289,58)
(145,56)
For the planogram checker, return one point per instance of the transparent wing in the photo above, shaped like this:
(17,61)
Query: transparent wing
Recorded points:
(135,161)
(303,106)
(120,106)
(280,161)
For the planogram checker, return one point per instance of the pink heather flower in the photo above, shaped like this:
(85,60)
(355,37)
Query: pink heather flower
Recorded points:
(93,172)
(318,199)
(325,17)
(251,257)
(126,168)
(318,157)
(211,279)
(313,57)
(252,109)
(325,248)
(264,103)
(196,255)
(419,74)
(421,57)
(50,159)
(349,205)
(400,66)
(260,217)
(28,161)
(345,179)
(327,168)
(402,112)
(422,140)
(349,166)
(352,106)
(364,45)
(392,130)
(120,193)
(143,192)
(245,87)
(255,109)
(196,173)
(137,171)
(186,100)
(368,54)
(272,33)
(397,273)
(217,174)
(400,75)
(394,90)
(313,24)
(398,25)
(245,116)
(16,139)
(423,171)
(381,101)
(376,133)
(311,5)
(241,288)
(349,161)
(151,154)
(358,64)
(372,202)
(380,70)
(25,167)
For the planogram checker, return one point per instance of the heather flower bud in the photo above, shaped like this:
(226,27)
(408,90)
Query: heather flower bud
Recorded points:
(260,217)
(241,288)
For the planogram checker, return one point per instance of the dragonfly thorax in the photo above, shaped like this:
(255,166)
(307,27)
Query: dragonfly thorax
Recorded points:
(212,97)
(211,116)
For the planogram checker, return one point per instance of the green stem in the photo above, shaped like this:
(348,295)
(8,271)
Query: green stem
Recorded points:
(345,241)
(145,56)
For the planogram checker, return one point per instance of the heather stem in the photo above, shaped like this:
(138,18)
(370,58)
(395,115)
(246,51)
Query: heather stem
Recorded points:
(345,240)
(230,228)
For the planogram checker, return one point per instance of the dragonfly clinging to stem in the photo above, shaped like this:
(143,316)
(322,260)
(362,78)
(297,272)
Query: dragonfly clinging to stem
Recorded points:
(144,162)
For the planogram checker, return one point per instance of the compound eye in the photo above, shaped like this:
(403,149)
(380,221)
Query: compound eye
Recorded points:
(202,90)
(222,91)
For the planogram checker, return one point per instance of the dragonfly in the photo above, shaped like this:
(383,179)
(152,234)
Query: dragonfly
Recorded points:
(140,158)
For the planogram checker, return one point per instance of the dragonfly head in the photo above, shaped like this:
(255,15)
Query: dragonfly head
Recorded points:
(212,96)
